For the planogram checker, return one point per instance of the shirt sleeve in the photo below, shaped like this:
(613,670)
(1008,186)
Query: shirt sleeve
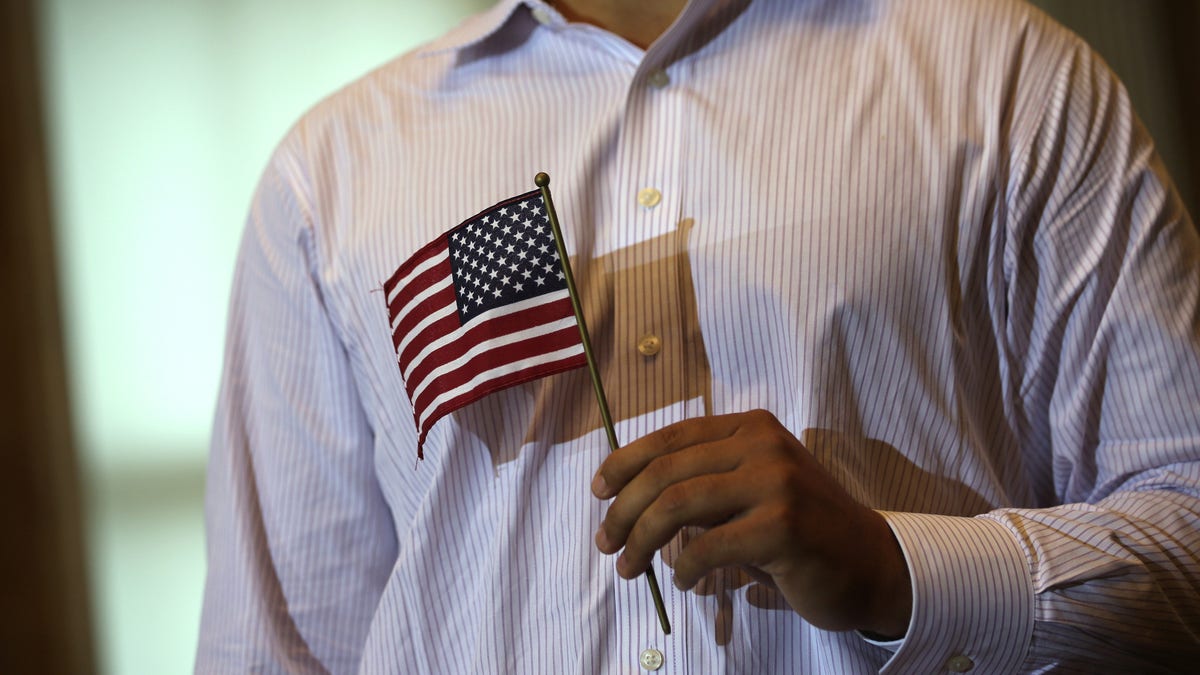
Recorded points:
(300,540)
(1102,347)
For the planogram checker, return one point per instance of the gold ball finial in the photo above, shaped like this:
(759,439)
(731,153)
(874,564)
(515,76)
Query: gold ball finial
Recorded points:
(542,179)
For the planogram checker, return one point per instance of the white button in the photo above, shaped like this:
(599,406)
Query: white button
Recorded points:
(659,79)
(651,659)
(649,197)
(541,16)
(959,664)
(649,345)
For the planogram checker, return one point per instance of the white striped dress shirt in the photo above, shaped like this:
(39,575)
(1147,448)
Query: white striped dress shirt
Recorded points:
(930,236)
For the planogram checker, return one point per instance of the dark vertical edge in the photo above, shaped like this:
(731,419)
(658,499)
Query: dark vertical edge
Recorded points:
(1180,20)
(45,618)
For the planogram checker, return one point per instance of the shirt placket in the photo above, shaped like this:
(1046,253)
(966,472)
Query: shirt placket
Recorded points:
(646,258)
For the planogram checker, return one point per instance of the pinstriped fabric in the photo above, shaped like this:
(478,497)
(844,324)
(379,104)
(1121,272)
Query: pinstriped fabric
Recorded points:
(929,236)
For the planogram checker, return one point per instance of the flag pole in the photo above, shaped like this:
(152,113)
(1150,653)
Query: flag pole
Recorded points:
(542,180)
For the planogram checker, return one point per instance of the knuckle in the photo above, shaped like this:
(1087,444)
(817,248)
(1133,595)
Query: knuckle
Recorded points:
(785,521)
(675,499)
(778,480)
(665,437)
(760,417)
(662,519)
(660,469)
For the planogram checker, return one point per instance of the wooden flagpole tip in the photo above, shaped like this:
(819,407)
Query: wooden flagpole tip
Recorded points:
(542,179)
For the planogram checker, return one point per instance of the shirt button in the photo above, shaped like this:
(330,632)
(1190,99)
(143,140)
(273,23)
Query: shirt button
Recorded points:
(959,664)
(541,16)
(651,659)
(659,79)
(649,197)
(649,345)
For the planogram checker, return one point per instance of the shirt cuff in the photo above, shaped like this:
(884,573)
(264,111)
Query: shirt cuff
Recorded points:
(972,596)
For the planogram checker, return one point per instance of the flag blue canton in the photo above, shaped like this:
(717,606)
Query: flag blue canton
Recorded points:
(504,255)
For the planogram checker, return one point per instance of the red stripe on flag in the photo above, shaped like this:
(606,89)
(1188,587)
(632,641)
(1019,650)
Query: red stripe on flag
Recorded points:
(430,250)
(475,333)
(488,359)
(437,275)
(516,336)
(511,380)
(434,331)
(421,312)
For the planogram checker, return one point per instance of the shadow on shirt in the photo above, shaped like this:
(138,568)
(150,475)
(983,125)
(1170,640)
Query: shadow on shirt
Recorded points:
(640,307)
(647,290)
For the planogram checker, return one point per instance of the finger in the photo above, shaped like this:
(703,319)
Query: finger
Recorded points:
(758,576)
(660,475)
(705,501)
(746,541)
(624,463)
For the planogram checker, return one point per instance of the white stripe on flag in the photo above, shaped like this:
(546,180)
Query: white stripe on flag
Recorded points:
(425,264)
(418,298)
(496,313)
(500,371)
(429,318)
(494,343)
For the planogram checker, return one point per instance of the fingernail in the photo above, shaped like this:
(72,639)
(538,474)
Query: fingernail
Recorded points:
(623,566)
(602,541)
(599,486)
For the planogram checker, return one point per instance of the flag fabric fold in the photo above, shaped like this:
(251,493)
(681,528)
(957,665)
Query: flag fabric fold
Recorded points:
(481,308)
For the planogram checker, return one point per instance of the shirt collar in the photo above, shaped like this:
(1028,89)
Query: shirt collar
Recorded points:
(476,28)
(511,15)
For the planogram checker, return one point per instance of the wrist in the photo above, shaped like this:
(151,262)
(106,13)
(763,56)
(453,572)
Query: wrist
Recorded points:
(892,596)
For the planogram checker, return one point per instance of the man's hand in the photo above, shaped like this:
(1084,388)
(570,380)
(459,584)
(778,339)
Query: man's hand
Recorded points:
(766,505)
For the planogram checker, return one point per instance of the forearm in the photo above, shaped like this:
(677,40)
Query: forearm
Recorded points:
(1109,586)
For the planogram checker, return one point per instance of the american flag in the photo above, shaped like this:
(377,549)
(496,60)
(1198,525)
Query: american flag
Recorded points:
(481,308)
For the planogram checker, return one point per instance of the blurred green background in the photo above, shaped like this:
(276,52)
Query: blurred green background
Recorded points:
(161,115)
(159,118)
